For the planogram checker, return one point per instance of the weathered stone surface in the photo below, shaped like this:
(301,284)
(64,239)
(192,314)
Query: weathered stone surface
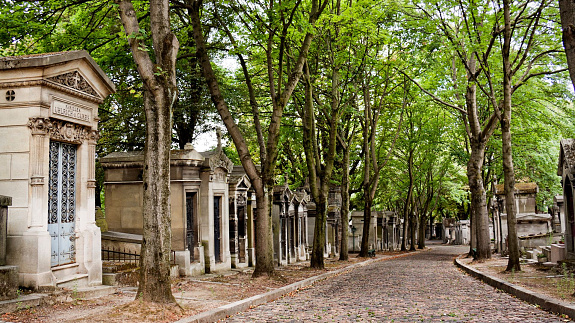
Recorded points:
(8,282)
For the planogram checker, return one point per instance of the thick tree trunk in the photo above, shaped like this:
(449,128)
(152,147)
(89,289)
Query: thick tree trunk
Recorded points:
(154,283)
(407,200)
(508,171)
(413,227)
(317,259)
(160,93)
(479,199)
(366,227)
(421,232)
(567,12)
(264,246)
(343,254)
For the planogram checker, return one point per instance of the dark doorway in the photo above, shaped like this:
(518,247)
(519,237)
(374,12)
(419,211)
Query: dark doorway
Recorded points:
(217,228)
(191,226)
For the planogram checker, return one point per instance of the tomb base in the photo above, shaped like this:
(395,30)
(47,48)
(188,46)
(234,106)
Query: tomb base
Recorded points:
(8,282)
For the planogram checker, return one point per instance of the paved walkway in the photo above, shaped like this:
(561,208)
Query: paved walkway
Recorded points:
(425,287)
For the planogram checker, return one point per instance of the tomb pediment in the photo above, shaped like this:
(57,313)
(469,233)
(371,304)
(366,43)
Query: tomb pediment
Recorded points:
(74,80)
(72,73)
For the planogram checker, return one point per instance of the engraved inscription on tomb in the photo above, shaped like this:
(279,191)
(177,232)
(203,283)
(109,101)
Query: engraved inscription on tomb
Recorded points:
(71,111)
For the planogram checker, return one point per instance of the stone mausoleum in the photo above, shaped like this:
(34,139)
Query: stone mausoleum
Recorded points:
(199,206)
(48,130)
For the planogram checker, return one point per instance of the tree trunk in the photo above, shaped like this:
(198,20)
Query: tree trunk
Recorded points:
(421,233)
(160,93)
(343,254)
(478,199)
(508,171)
(366,227)
(317,259)
(264,246)
(407,200)
(260,182)
(567,12)
(320,175)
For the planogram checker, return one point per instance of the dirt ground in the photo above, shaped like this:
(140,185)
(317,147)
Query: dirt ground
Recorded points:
(193,294)
(557,282)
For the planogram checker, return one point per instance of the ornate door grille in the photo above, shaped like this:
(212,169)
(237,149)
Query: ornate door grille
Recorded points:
(217,229)
(62,202)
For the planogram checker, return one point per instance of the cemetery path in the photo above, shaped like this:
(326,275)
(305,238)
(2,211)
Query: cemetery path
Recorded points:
(423,287)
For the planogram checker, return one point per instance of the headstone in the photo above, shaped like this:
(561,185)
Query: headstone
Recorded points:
(5,202)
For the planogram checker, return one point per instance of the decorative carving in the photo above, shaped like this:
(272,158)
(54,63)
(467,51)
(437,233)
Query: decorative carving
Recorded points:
(219,159)
(93,135)
(62,130)
(40,126)
(74,80)
(241,199)
(70,132)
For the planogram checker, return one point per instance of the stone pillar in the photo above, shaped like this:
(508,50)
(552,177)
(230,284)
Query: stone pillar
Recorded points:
(250,231)
(5,202)
(40,128)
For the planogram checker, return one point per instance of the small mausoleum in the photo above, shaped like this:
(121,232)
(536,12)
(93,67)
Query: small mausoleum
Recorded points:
(566,169)
(289,222)
(533,228)
(49,129)
(199,210)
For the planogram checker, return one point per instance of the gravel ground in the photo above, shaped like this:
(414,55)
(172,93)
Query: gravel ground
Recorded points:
(424,287)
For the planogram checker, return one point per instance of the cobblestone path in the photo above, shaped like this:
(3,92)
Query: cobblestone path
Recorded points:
(424,287)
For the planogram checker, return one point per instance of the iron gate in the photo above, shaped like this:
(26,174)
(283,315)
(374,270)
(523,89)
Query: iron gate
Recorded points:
(62,202)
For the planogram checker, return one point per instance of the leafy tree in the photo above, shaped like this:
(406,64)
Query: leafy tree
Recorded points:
(275,22)
(158,75)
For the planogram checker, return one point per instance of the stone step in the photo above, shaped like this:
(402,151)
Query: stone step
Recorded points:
(62,272)
(21,302)
(73,281)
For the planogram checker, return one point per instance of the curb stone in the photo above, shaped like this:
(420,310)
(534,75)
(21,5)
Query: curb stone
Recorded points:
(242,305)
(545,302)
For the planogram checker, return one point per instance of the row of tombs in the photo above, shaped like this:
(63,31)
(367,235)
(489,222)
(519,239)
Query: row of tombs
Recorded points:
(48,130)
(213,212)
(48,231)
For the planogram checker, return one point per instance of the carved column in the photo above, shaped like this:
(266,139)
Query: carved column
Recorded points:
(91,185)
(40,127)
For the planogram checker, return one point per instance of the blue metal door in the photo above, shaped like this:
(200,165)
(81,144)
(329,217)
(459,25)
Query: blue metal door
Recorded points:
(62,202)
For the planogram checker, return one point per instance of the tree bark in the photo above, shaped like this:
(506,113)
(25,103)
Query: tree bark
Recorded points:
(421,232)
(264,245)
(160,93)
(508,171)
(343,253)
(407,200)
(320,175)
(567,13)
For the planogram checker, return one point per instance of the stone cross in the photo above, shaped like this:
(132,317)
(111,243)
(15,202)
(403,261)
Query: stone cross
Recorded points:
(219,135)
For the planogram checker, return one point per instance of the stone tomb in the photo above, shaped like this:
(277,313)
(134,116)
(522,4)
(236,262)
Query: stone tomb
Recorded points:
(241,218)
(566,169)
(199,204)
(289,216)
(533,228)
(48,130)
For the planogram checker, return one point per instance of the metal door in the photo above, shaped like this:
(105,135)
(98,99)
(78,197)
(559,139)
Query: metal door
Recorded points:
(190,225)
(217,234)
(62,202)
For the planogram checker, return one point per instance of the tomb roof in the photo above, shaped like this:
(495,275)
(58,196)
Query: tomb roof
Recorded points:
(566,156)
(51,59)
(520,188)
